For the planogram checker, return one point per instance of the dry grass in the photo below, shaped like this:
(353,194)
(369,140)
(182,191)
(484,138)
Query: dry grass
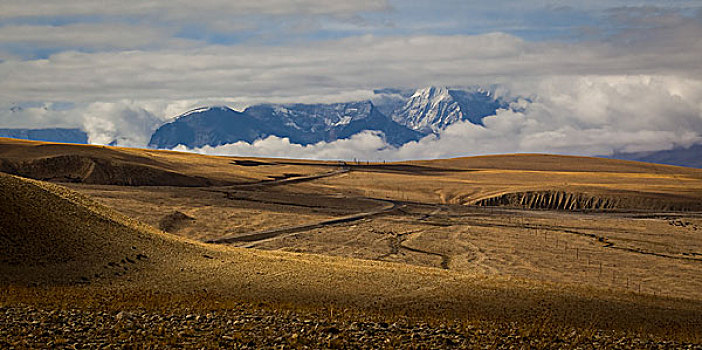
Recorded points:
(502,265)
(85,238)
(468,187)
(129,166)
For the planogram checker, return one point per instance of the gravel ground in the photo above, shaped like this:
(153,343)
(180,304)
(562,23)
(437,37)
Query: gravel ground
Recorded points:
(28,327)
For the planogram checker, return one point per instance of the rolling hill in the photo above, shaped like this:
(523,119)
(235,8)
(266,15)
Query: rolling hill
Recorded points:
(425,250)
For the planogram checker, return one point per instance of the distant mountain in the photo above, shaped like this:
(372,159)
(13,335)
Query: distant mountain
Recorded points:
(301,123)
(48,135)
(311,123)
(432,109)
(689,157)
(401,115)
(212,126)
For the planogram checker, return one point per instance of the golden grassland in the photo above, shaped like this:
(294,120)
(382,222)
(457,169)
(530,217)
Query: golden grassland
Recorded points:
(634,265)
(130,166)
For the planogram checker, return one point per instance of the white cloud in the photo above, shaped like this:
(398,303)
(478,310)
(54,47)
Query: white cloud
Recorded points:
(32,26)
(90,35)
(180,9)
(576,115)
(37,115)
(327,68)
(121,124)
(363,143)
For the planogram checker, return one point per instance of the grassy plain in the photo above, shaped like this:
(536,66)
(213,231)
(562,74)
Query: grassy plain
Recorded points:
(417,239)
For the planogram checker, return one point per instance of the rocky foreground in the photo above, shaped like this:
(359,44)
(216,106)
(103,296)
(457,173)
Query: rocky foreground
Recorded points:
(29,327)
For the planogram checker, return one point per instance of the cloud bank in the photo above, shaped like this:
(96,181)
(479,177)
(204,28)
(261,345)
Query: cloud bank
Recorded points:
(184,9)
(574,115)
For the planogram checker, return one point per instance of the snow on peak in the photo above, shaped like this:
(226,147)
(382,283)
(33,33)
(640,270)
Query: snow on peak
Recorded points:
(204,109)
(429,110)
(431,92)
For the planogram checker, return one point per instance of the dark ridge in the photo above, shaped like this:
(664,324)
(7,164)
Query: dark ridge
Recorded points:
(575,201)
(89,170)
(250,163)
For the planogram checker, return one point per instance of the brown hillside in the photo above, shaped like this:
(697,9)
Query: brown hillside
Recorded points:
(556,163)
(53,236)
(50,235)
(134,167)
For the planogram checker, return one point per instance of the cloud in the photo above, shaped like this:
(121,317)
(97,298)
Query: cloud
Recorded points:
(578,115)
(35,115)
(180,9)
(639,27)
(363,143)
(127,125)
(326,68)
(87,35)
(122,123)
(128,122)
(33,27)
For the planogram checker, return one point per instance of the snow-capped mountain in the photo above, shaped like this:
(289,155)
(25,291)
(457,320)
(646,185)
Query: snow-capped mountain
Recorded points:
(401,115)
(311,123)
(301,123)
(432,109)
(429,110)
(212,126)
(312,117)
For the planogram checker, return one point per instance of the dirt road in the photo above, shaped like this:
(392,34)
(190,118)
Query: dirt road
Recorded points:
(267,235)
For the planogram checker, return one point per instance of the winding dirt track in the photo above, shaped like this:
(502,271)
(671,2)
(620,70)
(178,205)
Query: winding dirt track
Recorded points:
(293,180)
(256,238)
(398,241)
(606,242)
(268,235)
(445,259)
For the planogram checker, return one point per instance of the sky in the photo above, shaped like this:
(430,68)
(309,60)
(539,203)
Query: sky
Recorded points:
(600,76)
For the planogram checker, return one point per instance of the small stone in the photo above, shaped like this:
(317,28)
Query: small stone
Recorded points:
(332,330)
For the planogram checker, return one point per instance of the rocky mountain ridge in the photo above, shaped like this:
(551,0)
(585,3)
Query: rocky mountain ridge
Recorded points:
(400,116)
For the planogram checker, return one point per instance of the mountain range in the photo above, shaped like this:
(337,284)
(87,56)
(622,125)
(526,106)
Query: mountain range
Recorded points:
(302,124)
(402,116)
(690,156)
